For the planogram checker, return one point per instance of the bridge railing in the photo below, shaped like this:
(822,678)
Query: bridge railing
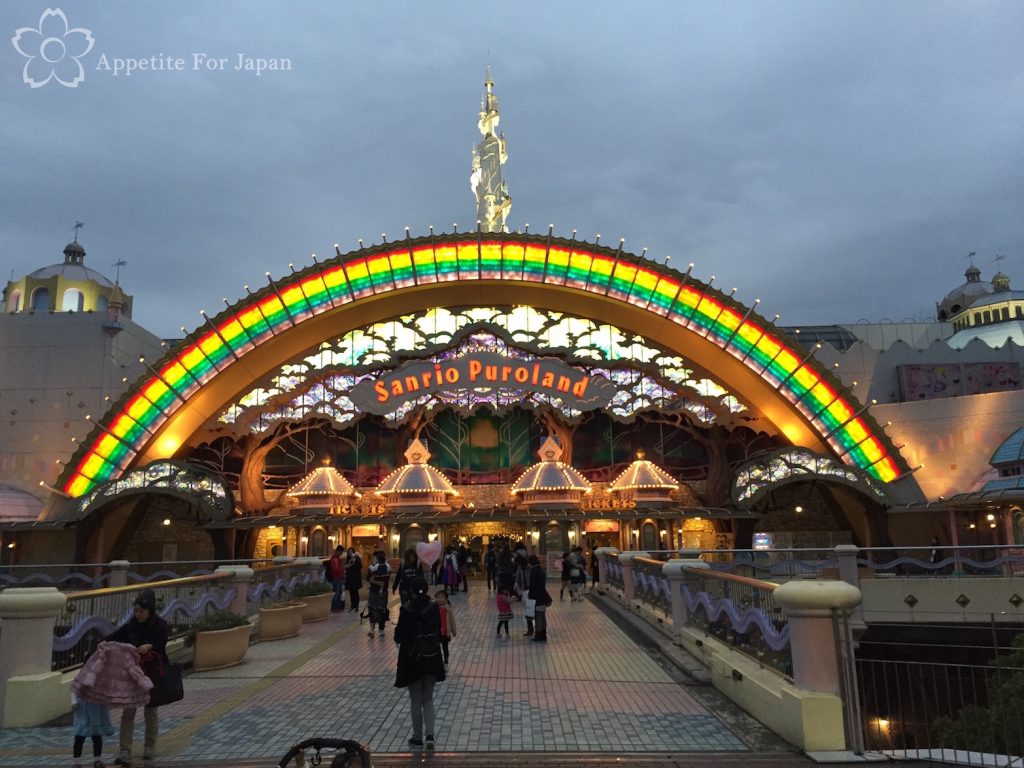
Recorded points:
(275,583)
(89,616)
(81,576)
(737,610)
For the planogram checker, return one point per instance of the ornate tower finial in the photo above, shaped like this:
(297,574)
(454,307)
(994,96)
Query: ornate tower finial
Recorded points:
(493,202)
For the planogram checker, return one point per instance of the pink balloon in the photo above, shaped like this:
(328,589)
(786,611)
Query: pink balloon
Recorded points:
(428,552)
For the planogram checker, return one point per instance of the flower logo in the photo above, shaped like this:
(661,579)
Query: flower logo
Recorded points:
(53,51)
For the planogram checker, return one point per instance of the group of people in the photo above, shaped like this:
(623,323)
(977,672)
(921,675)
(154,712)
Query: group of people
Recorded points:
(124,671)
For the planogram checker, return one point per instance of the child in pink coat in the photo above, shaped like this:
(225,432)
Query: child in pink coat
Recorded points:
(504,610)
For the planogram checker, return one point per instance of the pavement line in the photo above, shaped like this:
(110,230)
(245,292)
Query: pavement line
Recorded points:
(181,737)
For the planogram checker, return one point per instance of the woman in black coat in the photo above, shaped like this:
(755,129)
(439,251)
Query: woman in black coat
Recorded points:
(147,632)
(420,665)
(353,578)
(538,591)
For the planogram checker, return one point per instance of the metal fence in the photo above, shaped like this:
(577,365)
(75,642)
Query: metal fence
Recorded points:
(652,586)
(968,714)
(275,583)
(91,615)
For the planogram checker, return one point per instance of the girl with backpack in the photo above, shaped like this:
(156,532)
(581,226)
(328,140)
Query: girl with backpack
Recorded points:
(420,665)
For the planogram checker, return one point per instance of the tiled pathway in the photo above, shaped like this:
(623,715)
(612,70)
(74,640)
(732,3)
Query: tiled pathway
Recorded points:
(589,689)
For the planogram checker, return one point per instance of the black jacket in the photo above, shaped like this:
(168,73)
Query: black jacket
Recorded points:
(403,579)
(154,631)
(417,617)
(538,589)
(354,573)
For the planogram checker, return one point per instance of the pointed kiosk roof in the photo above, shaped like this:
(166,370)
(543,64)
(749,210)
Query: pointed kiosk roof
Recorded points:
(416,477)
(324,481)
(643,475)
(550,474)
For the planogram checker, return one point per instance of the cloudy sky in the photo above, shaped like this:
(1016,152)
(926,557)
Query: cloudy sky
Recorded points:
(835,159)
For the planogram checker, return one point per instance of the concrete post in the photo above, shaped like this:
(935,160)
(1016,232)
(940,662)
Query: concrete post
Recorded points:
(241,578)
(118,573)
(30,693)
(628,583)
(809,606)
(602,567)
(849,572)
(675,572)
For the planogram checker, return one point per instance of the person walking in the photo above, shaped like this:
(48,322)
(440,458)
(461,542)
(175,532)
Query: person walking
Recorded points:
(148,633)
(410,569)
(566,570)
(491,567)
(577,573)
(377,598)
(353,578)
(447,622)
(450,575)
(504,606)
(462,560)
(420,665)
(538,592)
(336,567)
(506,570)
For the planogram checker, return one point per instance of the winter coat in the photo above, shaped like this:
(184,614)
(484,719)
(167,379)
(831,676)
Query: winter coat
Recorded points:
(538,590)
(337,567)
(403,579)
(419,616)
(112,675)
(447,621)
(154,631)
(354,573)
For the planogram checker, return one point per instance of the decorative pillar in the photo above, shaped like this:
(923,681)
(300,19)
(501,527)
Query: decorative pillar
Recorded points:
(849,572)
(241,579)
(30,692)
(675,572)
(118,573)
(809,606)
(601,553)
(628,584)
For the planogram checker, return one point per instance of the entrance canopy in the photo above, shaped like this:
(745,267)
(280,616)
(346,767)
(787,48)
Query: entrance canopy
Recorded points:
(758,362)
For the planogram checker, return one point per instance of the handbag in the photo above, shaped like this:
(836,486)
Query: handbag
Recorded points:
(529,608)
(574,573)
(167,683)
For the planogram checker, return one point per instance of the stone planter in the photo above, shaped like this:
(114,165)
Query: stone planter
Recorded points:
(318,607)
(220,648)
(280,621)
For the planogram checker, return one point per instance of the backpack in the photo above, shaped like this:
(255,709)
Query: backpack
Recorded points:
(327,572)
(427,646)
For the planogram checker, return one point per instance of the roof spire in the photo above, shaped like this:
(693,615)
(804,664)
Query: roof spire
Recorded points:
(493,202)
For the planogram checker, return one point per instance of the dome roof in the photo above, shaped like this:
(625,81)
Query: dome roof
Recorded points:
(993,334)
(18,506)
(322,481)
(72,268)
(1011,451)
(997,297)
(643,474)
(417,476)
(550,474)
(961,297)
(71,272)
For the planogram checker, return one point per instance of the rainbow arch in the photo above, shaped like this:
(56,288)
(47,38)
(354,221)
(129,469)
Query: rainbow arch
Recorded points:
(513,262)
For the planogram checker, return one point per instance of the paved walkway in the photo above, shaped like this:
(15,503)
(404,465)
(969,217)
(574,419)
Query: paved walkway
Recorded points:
(591,689)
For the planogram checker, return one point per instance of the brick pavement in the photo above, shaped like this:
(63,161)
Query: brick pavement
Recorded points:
(591,690)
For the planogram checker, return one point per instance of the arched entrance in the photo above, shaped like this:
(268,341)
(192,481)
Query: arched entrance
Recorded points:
(760,364)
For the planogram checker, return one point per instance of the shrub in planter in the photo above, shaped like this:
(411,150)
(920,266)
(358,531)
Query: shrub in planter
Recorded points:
(219,640)
(317,597)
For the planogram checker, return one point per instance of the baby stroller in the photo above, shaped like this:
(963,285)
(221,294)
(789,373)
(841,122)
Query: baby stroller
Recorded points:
(348,754)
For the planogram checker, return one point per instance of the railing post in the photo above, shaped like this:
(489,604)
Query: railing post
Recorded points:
(846,555)
(675,572)
(27,619)
(118,573)
(602,566)
(809,606)
(628,583)
(241,579)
